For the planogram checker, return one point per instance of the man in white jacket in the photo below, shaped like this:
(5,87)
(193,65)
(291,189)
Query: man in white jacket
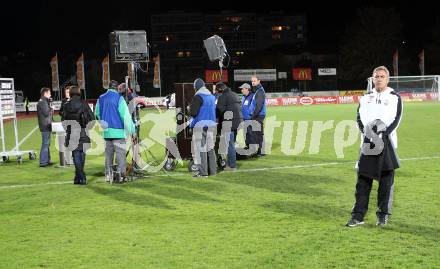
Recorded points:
(378,117)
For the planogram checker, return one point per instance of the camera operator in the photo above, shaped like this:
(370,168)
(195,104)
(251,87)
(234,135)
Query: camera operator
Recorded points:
(115,119)
(230,117)
(202,110)
(79,111)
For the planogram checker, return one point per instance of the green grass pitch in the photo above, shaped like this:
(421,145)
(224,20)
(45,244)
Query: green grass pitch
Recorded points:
(278,211)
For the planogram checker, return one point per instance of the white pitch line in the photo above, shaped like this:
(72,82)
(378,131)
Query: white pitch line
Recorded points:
(322,164)
(420,158)
(25,138)
(34,185)
(236,171)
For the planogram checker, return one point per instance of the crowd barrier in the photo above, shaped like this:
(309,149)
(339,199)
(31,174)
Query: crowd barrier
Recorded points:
(279,101)
(353,99)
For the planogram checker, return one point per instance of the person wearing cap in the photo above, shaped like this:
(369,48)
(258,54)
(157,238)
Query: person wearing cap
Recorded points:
(230,117)
(114,116)
(258,112)
(246,110)
(203,124)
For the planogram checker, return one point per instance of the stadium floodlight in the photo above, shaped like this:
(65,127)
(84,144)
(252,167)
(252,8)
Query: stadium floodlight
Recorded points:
(216,49)
(129,46)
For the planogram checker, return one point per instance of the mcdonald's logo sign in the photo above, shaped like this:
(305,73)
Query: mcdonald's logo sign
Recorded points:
(302,73)
(212,76)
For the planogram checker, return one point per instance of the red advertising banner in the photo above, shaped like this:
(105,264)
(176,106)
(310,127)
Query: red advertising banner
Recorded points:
(302,73)
(212,76)
(348,99)
(311,100)
(353,99)
(418,97)
(320,100)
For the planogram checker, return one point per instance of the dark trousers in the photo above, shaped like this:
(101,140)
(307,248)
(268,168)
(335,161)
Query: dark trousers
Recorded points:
(45,151)
(258,136)
(232,154)
(79,159)
(384,195)
(249,136)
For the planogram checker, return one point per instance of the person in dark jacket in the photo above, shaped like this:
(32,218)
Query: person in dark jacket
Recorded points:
(378,116)
(65,99)
(26,105)
(246,110)
(77,110)
(259,112)
(67,153)
(203,123)
(230,117)
(45,113)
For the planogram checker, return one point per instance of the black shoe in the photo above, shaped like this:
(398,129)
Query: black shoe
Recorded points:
(354,222)
(382,220)
(45,165)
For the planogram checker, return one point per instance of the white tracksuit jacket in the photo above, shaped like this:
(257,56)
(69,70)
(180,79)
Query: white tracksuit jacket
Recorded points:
(386,106)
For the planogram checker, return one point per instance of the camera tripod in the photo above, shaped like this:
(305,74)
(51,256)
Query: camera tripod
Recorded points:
(141,158)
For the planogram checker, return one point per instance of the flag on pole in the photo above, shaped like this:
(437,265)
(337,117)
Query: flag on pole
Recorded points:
(396,63)
(80,79)
(156,79)
(422,62)
(106,72)
(55,78)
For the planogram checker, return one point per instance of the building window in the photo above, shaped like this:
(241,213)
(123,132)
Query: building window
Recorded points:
(300,36)
(236,19)
(167,38)
(188,54)
(276,36)
(180,54)
(281,28)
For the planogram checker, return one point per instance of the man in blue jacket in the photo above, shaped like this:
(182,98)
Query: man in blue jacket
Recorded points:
(115,119)
(259,112)
(202,111)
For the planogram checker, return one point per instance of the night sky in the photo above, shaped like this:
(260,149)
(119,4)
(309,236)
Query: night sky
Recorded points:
(41,28)
(82,25)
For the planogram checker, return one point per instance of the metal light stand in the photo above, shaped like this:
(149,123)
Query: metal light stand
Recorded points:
(134,171)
